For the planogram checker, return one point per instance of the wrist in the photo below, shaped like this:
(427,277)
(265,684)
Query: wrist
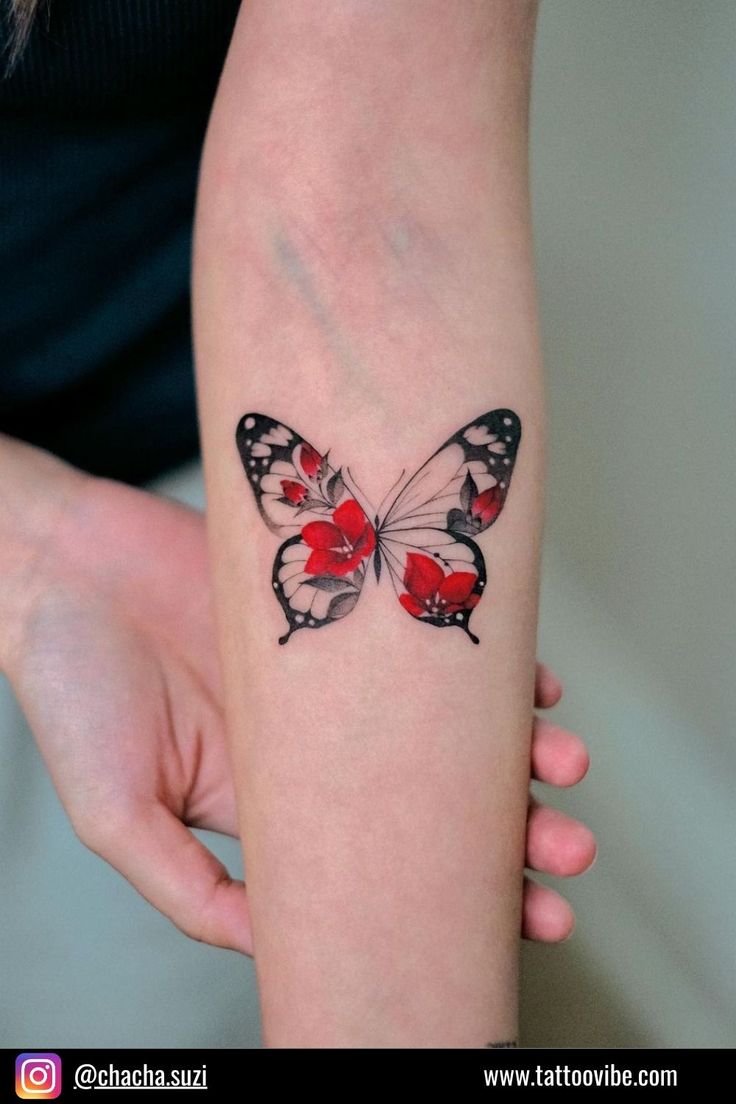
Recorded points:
(37,495)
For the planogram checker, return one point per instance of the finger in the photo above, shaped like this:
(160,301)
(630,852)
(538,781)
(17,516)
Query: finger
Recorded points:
(559,757)
(546,916)
(177,874)
(547,687)
(557,844)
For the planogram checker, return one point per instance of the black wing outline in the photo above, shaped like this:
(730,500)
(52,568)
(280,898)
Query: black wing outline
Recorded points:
(341,592)
(458,493)
(273,454)
(489,444)
(459,618)
(277,459)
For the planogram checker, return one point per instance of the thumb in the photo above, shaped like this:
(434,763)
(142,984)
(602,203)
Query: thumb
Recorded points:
(177,874)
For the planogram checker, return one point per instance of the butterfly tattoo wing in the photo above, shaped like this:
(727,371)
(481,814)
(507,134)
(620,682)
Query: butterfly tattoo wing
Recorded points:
(320,568)
(427,535)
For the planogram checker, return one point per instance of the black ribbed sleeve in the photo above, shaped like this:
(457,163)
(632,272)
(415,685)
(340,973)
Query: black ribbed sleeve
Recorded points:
(101,128)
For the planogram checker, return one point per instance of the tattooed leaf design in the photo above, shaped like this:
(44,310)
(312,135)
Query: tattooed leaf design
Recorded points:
(468,492)
(336,487)
(330,582)
(343,605)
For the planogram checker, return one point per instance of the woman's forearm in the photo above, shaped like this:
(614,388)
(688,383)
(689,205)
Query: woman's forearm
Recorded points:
(363,275)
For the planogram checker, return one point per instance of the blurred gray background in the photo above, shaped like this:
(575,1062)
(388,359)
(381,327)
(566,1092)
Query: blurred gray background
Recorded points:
(634,182)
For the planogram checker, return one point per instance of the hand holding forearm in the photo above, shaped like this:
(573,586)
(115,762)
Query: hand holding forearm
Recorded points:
(102,553)
(107,641)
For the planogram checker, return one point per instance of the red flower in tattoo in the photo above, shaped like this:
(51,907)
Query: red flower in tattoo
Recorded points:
(433,592)
(339,545)
(295,492)
(487,505)
(310,460)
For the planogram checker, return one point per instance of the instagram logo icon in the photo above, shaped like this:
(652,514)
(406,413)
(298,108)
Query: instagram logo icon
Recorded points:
(37,1076)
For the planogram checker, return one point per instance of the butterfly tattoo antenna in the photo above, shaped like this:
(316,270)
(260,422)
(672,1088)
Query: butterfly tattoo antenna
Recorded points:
(390,491)
(361,494)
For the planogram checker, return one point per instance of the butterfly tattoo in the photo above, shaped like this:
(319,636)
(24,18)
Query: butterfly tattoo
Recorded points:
(422,536)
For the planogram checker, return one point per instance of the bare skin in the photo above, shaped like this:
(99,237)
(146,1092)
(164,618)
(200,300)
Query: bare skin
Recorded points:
(109,643)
